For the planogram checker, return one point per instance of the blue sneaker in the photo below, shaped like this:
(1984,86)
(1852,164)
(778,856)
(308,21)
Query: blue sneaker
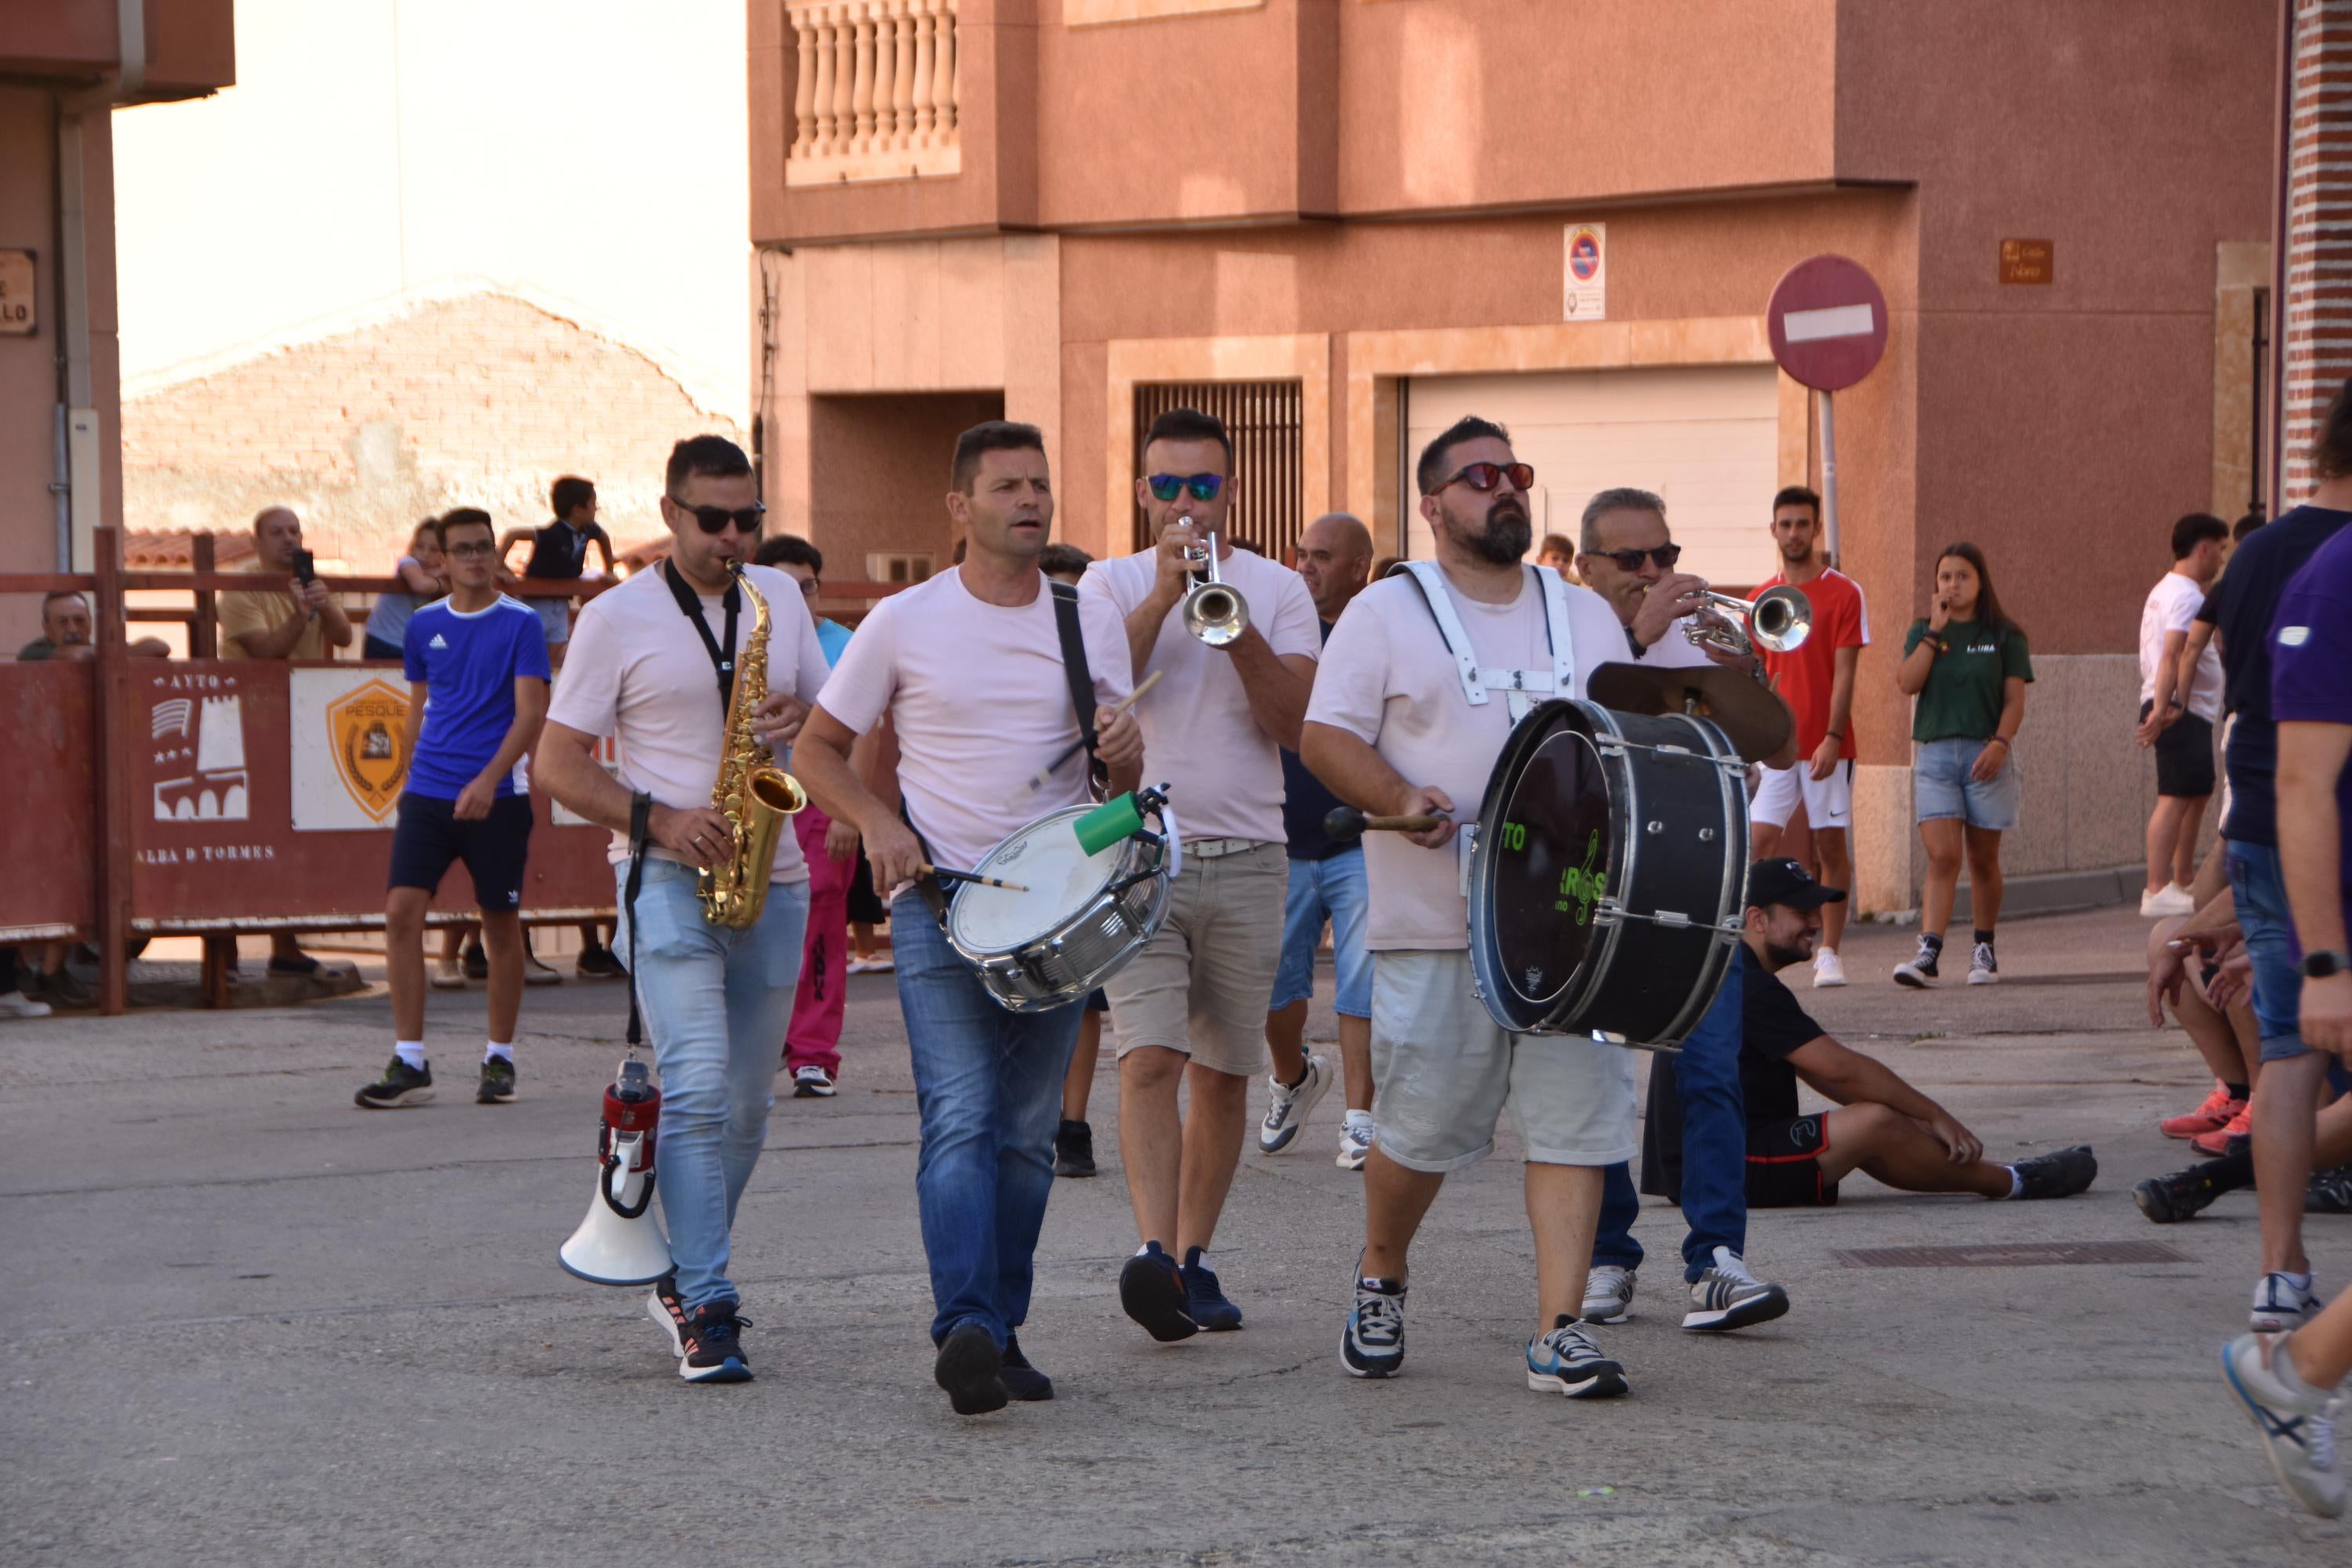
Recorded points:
(1152,1291)
(1373,1345)
(1203,1300)
(1566,1361)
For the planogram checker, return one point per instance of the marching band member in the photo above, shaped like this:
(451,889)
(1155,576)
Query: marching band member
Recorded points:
(978,670)
(1190,1007)
(642,668)
(1420,686)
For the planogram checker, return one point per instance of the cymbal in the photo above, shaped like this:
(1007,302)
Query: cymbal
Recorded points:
(1756,723)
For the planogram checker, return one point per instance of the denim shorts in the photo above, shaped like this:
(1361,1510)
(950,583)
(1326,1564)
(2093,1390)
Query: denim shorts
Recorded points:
(1332,889)
(2258,888)
(1941,788)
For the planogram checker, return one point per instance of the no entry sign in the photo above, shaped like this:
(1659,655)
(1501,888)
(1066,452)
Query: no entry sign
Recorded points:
(1828,322)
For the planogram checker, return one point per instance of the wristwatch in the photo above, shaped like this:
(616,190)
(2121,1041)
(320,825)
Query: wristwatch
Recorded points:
(2323,964)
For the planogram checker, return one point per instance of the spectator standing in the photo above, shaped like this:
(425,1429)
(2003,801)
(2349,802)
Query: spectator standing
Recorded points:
(1816,681)
(559,553)
(1557,551)
(2181,735)
(66,632)
(1968,664)
(420,569)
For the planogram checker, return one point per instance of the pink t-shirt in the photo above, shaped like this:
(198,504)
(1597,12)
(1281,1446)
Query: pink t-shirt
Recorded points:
(980,701)
(1197,727)
(1388,680)
(638,672)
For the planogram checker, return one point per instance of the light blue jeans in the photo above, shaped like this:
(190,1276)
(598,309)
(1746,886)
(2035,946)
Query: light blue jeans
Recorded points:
(716,1005)
(1332,889)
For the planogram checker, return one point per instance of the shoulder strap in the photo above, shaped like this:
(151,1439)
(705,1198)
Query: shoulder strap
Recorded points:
(1074,665)
(1563,642)
(1427,576)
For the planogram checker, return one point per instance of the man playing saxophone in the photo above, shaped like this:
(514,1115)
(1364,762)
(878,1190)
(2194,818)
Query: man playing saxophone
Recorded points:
(660,664)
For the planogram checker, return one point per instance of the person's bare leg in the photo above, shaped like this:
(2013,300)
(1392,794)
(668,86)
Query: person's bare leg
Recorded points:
(1985,883)
(2249,1036)
(282,946)
(2208,1030)
(1396,1200)
(502,939)
(2184,854)
(453,940)
(1901,1153)
(1831,853)
(1763,840)
(403,958)
(1214,1124)
(2164,842)
(1078,1083)
(1285,1041)
(2285,1103)
(2321,1348)
(1356,1062)
(861,940)
(1564,1213)
(1151,1137)
(1941,839)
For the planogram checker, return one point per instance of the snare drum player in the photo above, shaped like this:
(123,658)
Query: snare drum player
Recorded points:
(654,663)
(1628,558)
(1190,1009)
(978,670)
(1424,677)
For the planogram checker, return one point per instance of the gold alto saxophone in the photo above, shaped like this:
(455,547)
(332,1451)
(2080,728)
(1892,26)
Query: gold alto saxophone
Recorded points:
(752,793)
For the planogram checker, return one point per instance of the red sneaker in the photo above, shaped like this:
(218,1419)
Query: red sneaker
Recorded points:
(2216,1143)
(2208,1116)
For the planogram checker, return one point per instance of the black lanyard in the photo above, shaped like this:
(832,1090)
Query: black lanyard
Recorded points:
(723,657)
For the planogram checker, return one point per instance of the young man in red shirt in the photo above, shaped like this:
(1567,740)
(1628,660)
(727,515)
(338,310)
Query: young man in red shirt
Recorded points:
(1816,681)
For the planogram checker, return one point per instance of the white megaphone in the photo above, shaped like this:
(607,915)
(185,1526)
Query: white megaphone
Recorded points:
(621,1242)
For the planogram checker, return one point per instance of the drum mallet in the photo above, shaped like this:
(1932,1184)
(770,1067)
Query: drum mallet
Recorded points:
(1037,781)
(944,875)
(1347,822)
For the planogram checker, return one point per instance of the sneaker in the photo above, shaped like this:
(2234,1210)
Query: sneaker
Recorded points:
(498,1082)
(2330,1191)
(969,1367)
(1073,1149)
(17,1005)
(811,1082)
(2211,1116)
(707,1341)
(400,1084)
(446,977)
(2172,898)
(2169,1200)
(1920,971)
(2293,1420)
(872,963)
(534,973)
(2061,1173)
(1355,1141)
(1374,1344)
(598,964)
(2216,1143)
(1152,1291)
(1566,1361)
(1827,970)
(1287,1105)
(1727,1297)
(1022,1381)
(1204,1302)
(2282,1306)
(1983,967)
(1608,1294)
(476,961)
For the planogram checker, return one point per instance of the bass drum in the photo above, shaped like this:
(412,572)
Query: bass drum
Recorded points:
(1608,874)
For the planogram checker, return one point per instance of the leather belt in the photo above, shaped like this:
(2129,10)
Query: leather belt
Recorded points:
(1215,848)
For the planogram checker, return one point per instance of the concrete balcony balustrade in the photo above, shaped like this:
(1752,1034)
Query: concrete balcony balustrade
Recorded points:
(875,97)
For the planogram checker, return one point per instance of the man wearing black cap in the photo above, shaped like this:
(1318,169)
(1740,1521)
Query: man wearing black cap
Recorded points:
(1884,1127)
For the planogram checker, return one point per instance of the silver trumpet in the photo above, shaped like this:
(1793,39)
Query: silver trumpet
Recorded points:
(1779,620)
(1214,611)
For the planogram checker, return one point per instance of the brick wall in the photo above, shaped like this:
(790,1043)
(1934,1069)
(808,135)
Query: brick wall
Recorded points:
(478,401)
(2315,331)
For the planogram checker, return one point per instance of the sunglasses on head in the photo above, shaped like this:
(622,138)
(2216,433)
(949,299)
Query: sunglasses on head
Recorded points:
(1168,487)
(1665,555)
(712,519)
(1485,476)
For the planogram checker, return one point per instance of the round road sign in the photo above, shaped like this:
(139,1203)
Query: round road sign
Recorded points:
(1828,322)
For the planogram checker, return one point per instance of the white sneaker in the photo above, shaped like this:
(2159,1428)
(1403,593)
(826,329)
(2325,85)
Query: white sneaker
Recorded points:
(447,976)
(2282,1306)
(2172,898)
(1983,967)
(1355,1139)
(17,1005)
(1608,1294)
(2296,1424)
(1728,1297)
(1827,970)
(1287,1105)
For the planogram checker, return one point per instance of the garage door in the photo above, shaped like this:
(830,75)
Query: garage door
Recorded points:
(1704,438)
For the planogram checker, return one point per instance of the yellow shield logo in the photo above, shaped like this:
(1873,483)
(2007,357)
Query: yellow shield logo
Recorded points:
(369,727)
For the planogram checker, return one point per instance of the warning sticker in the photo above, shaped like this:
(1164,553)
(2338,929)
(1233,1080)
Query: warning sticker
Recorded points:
(1585,273)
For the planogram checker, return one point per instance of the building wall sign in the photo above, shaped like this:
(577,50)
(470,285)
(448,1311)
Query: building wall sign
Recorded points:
(350,749)
(2027,261)
(18,316)
(1584,272)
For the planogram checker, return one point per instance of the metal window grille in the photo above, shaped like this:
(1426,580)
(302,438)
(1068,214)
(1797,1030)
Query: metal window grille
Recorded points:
(1264,418)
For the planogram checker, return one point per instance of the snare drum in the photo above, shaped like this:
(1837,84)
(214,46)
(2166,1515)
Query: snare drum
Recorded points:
(1608,874)
(1082,918)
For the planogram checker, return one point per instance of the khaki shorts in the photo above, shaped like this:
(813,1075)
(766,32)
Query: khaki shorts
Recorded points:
(1202,983)
(1445,1070)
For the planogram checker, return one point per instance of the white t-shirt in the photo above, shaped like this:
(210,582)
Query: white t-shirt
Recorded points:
(980,703)
(1387,679)
(2172,606)
(638,672)
(1225,771)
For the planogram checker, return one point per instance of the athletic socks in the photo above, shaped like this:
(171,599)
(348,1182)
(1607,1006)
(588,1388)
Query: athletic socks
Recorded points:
(494,1051)
(411,1052)
(1982,937)
(2239,1091)
(1931,941)
(2016,1182)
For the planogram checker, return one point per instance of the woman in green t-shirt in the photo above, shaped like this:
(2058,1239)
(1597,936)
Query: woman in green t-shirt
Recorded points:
(1967,665)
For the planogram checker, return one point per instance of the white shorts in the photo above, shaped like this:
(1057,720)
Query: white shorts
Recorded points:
(1445,1070)
(1828,803)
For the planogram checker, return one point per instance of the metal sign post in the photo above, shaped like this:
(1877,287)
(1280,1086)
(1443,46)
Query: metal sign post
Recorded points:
(1828,322)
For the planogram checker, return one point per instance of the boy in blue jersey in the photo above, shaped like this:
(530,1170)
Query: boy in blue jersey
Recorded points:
(477,678)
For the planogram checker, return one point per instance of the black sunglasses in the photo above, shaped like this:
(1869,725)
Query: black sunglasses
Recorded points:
(1665,555)
(1168,487)
(1485,476)
(712,519)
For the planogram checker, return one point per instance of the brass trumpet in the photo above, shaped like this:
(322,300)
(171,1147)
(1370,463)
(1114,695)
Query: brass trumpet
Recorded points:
(1778,621)
(1214,611)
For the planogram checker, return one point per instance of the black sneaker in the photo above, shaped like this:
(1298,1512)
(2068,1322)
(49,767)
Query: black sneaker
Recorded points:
(498,1082)
(1203,1300)
(1920,971)
(707,1341)
(400,1084)
(1152,1291)
(2169,1200)
(478,963)
(1022,1380)
(1073,1149)
(2061,1173)
(598,964)
(1372,1345)
(969,1367)
(2330,1191)
(58,987)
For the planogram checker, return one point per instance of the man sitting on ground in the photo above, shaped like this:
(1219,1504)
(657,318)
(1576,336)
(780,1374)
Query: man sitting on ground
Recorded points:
(1886,1127)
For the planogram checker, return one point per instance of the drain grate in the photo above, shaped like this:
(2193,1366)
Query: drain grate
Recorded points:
(2011,1254)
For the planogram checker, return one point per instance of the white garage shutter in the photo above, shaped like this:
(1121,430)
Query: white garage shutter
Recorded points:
(1704,438)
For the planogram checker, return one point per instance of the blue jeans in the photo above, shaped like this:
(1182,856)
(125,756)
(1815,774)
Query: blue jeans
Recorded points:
(717,1002)
(1715,1147)
(1332,889)
(2258,888)
(988,1085)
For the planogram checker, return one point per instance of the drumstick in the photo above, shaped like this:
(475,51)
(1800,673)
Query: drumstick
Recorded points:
(1072,750)
(945,875)
(1347,822)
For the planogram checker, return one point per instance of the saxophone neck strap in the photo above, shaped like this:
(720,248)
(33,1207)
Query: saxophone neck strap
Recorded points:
(722,653)
(641,811)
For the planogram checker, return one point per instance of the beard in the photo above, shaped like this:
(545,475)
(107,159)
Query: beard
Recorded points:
(1506,537)
(1780,955)
(1794,553)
